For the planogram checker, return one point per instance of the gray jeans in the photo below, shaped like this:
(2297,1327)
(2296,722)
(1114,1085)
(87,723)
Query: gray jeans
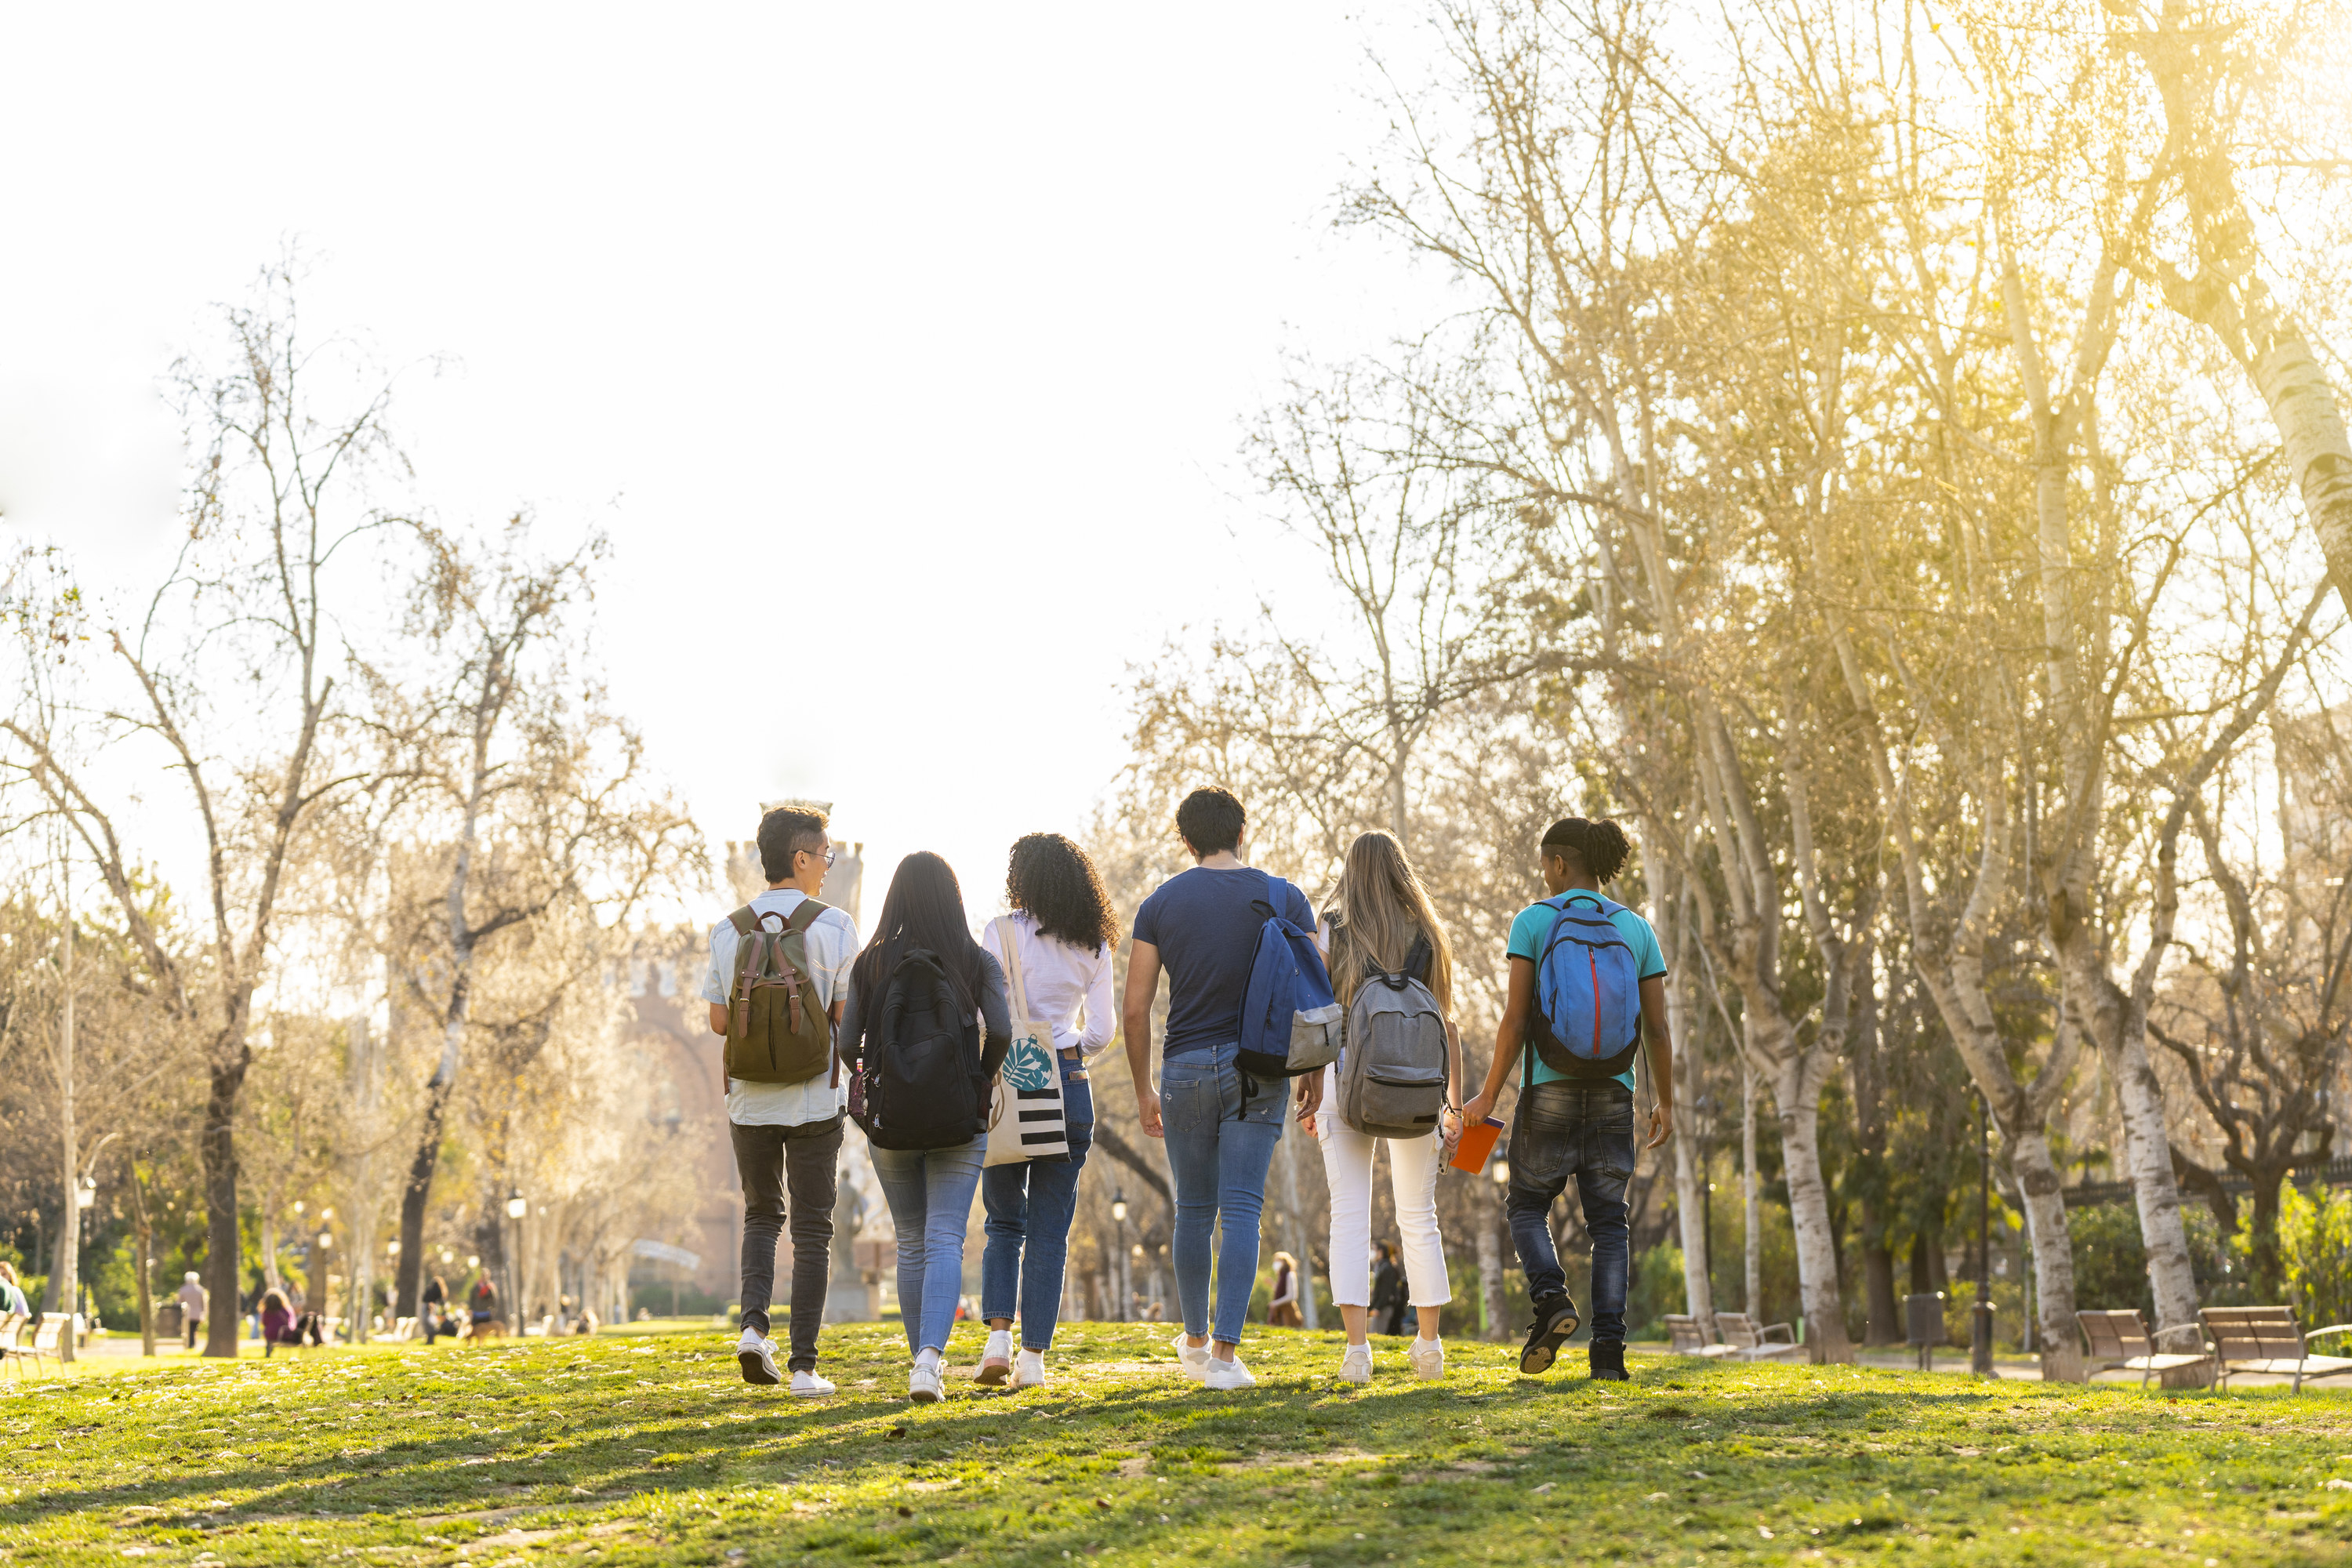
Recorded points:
(774,1163)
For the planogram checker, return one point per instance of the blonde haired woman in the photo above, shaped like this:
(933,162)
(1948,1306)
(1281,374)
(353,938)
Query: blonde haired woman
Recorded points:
(1380,923)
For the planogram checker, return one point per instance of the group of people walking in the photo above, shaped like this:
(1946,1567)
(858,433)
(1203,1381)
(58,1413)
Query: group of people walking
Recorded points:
(966,1062)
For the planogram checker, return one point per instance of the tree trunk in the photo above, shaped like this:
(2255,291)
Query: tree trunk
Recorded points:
(143,1238)
(1809,1215)
(1299,1245)
(217,1146)
(1690,1218)
(1883,1321)
(2269,1274)
(413,1197)
(1751,1208)
(2149,1151)
(64,1281)
(2310,423)
(1490,1274)
(2053,1260)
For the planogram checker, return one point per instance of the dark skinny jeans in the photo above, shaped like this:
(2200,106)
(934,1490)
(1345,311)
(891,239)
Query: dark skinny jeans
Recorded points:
(1585,1130)
(771,1162)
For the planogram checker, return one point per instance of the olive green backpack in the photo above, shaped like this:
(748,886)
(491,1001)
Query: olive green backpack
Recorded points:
(778,1030)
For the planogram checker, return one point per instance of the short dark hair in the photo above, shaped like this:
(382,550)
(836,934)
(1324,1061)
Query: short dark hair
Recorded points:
(785,832)
(1600,847)
(1211,820)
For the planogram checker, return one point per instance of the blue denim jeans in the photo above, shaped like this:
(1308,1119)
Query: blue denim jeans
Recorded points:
(1029,1208)
(929,1192)
(1219,1144)
(1584,1131)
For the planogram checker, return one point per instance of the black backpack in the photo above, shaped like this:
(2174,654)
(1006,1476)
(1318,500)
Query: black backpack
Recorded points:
(919,1063)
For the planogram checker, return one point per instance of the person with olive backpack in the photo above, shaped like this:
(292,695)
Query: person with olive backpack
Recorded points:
(1586,995)
(779,974)
(924,1035)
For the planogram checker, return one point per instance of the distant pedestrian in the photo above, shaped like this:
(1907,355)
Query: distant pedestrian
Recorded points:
(482,1305)
(433,1308)
(1058,939)
(12,1294)
(1388,1303)
(193,1301)
(1282,1307)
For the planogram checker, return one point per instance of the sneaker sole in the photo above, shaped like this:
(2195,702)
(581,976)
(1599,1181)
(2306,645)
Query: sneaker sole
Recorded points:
(993,1373)
(813,1392)
(756,1369)
(1539,1357)
(924,1397)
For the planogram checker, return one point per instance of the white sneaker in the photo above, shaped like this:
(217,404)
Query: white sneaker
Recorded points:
(1029,1372)
(1428,1359)
(1228,1375)
(997,1361)
(758,1355)
(923,1385)
(1194,1359)
(809,1385)
(1356,1366)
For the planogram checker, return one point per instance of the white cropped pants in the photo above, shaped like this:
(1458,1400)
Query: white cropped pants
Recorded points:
(1413,1177)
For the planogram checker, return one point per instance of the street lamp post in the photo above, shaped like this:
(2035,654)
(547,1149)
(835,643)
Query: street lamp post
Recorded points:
(1119,1270)
(517,1206)
(326,1242)
(1980,1336)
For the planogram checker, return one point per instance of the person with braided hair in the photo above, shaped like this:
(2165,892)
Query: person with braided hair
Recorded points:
(1575,1117)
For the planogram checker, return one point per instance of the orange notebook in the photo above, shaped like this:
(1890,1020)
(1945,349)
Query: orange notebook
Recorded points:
(1477,1143)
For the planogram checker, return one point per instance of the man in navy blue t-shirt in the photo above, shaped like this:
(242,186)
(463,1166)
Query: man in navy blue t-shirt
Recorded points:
(1218,1123)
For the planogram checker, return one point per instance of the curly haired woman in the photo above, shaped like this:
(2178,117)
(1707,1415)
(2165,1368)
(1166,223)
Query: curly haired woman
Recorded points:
(1063,931)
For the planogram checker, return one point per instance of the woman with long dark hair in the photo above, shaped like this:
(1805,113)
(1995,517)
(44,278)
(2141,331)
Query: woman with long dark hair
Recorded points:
(1059,936)
(922,940)
(1382,923)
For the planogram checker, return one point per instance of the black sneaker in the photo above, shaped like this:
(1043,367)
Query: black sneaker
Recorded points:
(1556,1319)
(1608,1361)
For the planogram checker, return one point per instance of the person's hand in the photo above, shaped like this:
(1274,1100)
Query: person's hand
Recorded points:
(1310,1099)
(1477,1108)
(1147,1111)
(1449,1128)
(1661,1125)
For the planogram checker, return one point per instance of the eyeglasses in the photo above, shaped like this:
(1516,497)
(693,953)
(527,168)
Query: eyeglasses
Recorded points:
(830,851)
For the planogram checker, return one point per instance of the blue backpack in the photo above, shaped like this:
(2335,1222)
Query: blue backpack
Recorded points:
(1290,1020)
(1587,1018)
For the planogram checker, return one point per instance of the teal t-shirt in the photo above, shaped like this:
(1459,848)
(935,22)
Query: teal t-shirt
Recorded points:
(1527,934)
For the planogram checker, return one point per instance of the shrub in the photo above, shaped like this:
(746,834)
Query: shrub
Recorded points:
(2315,1251)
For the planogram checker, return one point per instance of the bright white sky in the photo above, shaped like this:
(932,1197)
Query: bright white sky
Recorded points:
(912,345)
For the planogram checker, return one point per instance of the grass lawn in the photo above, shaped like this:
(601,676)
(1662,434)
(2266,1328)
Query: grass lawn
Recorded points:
(650,1448)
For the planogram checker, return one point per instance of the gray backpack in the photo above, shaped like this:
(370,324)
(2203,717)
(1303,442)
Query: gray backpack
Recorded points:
(1392,1056)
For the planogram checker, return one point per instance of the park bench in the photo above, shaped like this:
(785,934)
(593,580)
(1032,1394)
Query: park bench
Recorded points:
(542,1328)
(403,1330)
(1685,1337)
(2120,1339)
(43,1348)
(10,1325)
(1745,1341)
(2266,1339)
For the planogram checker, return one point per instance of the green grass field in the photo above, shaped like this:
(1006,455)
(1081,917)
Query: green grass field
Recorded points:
(650,1448)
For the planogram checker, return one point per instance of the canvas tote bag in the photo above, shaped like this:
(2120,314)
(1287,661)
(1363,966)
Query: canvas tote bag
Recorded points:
(1025,1120)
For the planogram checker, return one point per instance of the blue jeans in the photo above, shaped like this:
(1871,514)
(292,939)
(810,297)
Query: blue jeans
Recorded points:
(1584,1131)
(1219,1146)
(929,1192)
(1029,1208)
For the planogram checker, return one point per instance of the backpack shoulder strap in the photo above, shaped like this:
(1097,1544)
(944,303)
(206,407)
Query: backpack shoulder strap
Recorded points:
(744,921)
(803,916)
